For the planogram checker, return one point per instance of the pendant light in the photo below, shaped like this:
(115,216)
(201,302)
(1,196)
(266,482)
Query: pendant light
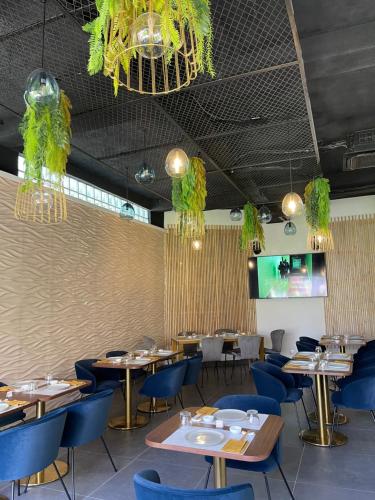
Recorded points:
(41,87)
(264,215)
(197,244)
(290,229)
(177,163)
(146,174)
(127,210)
(292,204)
(235,214)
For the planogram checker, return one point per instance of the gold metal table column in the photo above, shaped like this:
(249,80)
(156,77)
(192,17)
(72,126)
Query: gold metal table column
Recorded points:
(128,421)
(47,475)
(157,406)
(323,436)
(220,472)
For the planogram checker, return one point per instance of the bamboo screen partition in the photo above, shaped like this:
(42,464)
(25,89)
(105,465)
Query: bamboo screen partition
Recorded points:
(350,305)
(207,289)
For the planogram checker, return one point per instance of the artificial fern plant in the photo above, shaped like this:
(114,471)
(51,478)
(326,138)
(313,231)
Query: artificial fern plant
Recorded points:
(317,205)
(252,229)
(189,200)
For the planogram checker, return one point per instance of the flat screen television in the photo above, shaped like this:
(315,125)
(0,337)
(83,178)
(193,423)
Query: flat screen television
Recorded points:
(285,276)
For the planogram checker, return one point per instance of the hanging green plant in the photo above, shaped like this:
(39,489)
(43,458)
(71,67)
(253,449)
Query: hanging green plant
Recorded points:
(189,200)
(164,32)
(46,133)
(252,229)
(317,205)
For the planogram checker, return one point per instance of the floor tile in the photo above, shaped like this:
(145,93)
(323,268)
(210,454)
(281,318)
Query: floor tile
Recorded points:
(308,491)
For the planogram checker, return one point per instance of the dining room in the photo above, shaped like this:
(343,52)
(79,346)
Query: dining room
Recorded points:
(187,273)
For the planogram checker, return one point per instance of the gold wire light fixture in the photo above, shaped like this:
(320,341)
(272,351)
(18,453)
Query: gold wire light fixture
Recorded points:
(151,47)
(46,132)
(292,204)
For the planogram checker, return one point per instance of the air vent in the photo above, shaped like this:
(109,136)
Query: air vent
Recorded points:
(359,161)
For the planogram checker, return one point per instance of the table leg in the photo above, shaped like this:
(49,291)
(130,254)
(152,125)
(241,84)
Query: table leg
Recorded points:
(156,406)
(220,472)
(342,349)
(128,421)
(47,475)
(322,435)
(262,354)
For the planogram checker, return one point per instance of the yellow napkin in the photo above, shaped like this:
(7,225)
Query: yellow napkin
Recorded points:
(207,410)
(297,367)
(236,446)
(6,388)
(15,402)
(75,382)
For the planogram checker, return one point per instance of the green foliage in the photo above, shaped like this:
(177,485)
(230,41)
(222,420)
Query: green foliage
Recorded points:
(252,229)
(189,200)
(110,38)
(317,204)
(46,136)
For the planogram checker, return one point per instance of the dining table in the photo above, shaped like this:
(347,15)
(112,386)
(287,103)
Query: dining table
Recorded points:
(322,367)
(342,342)
(143,360)
(42,394)
(171,435)
(179,341)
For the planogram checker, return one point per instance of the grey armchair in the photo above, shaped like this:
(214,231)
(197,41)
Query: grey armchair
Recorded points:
(248,352)
(277,341)
(212,351)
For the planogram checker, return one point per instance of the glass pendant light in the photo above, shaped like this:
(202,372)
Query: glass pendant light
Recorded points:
(177,163)
(146,35)
(264,215)
(290,229)
(197,244)
(145,175)
(127,210)
(41,87)
(235,214)
(292,204)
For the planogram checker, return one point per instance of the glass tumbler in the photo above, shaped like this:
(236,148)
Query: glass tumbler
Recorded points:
(185,417)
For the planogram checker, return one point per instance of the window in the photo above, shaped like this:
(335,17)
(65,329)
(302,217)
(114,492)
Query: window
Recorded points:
(87,192)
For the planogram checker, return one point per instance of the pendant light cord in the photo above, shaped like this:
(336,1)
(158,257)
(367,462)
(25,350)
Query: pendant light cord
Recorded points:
(44,29)
(290,159)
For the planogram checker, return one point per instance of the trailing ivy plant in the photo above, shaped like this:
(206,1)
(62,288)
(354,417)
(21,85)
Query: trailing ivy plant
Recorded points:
(317,206)
(46,136)
(189,200)
(110,41)
(252,229)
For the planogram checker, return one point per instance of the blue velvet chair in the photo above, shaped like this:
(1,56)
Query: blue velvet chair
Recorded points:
(301,381)
(305,346)
(14,417)
(193,370)
(101,378)
(165,383)
(29,448)
(309,340)
(272,382)
(263,405)
(358,373)
(86,421)
(147,487)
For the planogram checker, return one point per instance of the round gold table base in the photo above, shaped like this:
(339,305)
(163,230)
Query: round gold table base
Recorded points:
(48,475)
(157,407)
(119,424)
(315,438)
(341,419)
(2,497)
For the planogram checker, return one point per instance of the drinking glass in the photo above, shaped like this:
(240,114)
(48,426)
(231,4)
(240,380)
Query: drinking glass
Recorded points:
(48,378)
(185,417)
(292,353)
(318,349)
(254,419)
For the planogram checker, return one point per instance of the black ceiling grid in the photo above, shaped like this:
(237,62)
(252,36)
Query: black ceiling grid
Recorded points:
(237,122)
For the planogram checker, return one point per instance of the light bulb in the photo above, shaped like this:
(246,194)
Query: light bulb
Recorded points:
(177,163)
(292,205)
(146,35)
(197,245)
(43,201)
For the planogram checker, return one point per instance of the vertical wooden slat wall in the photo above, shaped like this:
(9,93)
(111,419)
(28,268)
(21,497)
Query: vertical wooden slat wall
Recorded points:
(350,305)
(207,289)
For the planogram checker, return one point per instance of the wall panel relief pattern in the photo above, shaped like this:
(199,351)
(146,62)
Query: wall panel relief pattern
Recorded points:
(75,290)
(350,305)
(207,289)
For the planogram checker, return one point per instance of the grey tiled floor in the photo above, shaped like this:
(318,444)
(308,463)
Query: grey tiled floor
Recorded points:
(344,473)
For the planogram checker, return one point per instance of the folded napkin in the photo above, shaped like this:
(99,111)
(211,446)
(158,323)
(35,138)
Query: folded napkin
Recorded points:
(74,382)
(298,367)
(14,402)
(6,388)
(236,445)
(207,410)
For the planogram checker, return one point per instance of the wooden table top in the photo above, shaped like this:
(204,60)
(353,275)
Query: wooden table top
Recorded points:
(26,403)
(154,358)
(198,338)
(290,368)
(259,449)
(342,341)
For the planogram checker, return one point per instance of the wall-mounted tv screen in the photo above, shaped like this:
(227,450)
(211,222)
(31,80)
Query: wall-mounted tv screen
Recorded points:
(284,276)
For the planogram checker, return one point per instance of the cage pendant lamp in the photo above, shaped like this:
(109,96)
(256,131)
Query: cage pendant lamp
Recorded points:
(41,204)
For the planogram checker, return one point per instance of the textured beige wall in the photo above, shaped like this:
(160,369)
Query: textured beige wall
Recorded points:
(76,289)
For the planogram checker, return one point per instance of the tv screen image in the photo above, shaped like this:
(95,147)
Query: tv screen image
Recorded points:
(284,276)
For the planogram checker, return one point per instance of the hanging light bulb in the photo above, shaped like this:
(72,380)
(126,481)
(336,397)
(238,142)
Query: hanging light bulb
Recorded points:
(41,89)
(197,244)
(235,214)
(127,211)
(292,205)
(43,201)
(290,229)
(177,163)
(256,247)
(146,36)
(264,215)
(145,175)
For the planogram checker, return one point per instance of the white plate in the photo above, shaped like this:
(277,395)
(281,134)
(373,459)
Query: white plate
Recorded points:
(231,415)
(300,362)
(60,386)
(3,407)
(115,359)
(205,437)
